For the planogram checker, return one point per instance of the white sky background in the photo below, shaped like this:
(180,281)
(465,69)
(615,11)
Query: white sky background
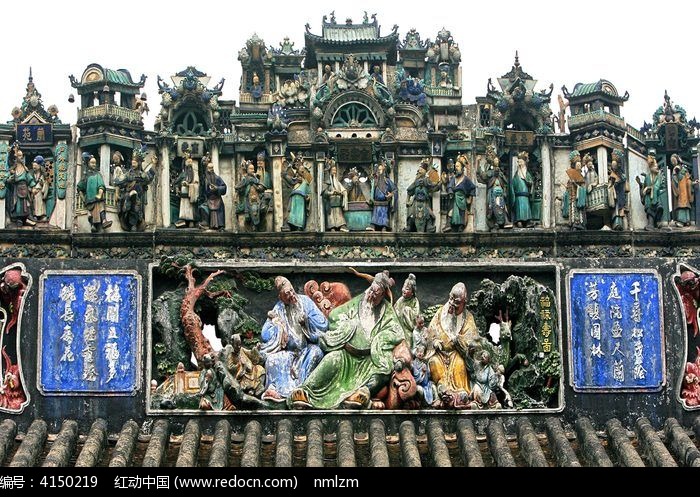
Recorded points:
(643,48)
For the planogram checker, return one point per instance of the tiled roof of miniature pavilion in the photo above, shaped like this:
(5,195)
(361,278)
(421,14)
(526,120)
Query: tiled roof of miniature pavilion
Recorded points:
(95,75)
(602,87)
(350,33)
(119,76)
(346,36)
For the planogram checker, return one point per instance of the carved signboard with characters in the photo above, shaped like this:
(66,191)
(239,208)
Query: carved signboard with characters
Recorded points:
(89,332)
(616,330)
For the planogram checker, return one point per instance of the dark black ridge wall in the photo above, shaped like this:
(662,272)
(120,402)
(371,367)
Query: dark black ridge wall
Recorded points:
(660,251)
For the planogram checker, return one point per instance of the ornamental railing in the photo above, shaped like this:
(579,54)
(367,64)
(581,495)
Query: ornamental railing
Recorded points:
(635,133)
(596,116)
(104,110)
(247,98)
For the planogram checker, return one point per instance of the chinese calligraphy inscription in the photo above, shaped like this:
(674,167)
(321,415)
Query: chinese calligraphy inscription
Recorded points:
(616,330)
(89,338)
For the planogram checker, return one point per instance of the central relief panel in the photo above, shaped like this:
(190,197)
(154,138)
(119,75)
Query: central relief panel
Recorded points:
(300,337)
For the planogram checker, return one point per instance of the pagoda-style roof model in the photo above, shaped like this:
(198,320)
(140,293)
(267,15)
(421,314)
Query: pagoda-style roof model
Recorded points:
(358,38)
(600,90)
(95,77)
(596,117)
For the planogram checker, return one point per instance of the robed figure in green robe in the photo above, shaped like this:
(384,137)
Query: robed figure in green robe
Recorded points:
(653,193)
(521,190)
(300,182)
(21,183)
(359,348)
(93,189)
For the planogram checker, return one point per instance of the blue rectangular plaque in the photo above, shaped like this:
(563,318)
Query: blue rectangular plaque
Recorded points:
(34,134)
(615,330)
(89,332)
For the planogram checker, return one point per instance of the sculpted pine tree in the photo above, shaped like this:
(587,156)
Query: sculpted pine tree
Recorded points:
(191,322)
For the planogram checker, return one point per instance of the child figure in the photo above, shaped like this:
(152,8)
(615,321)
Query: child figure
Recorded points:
(246,366)
(426,388)
(420,334)
(486,380)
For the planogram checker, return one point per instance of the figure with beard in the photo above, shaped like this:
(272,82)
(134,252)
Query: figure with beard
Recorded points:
(461,191)
(618,190)
(187,184)
(358,190)
(521,191)
(683,186)
(382,195)
(359,347)
(290,339)
(421,218)
(497,215)
(299,180)
(574,205)
(335,199)
(20,182)
(93,189)
(652,192)
(251,197)
(211,213)
(132,193)
(451,333)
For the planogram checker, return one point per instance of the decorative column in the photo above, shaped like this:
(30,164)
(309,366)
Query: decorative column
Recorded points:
(73,182)
(164,181)
(437,145)
(602,161)
(60,210)
(547,175)
(320,154)
(105,157)
(388,150)
(277,147)
(668,208)
(214,145)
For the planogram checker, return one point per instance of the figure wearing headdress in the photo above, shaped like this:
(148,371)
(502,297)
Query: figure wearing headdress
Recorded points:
(618,190)
(461,192)
(211,212)
(92,188)
(382,198)
(497,188)
(40,190)
(133,186)
(187,185)
(574,206)
(683,188)
(299,180)
(359,348)
(21,182)
(420,212)
(521,192)
(335,198)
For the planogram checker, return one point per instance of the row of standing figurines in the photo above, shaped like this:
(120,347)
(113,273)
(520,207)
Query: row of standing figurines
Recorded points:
(358,201)
(585,195)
